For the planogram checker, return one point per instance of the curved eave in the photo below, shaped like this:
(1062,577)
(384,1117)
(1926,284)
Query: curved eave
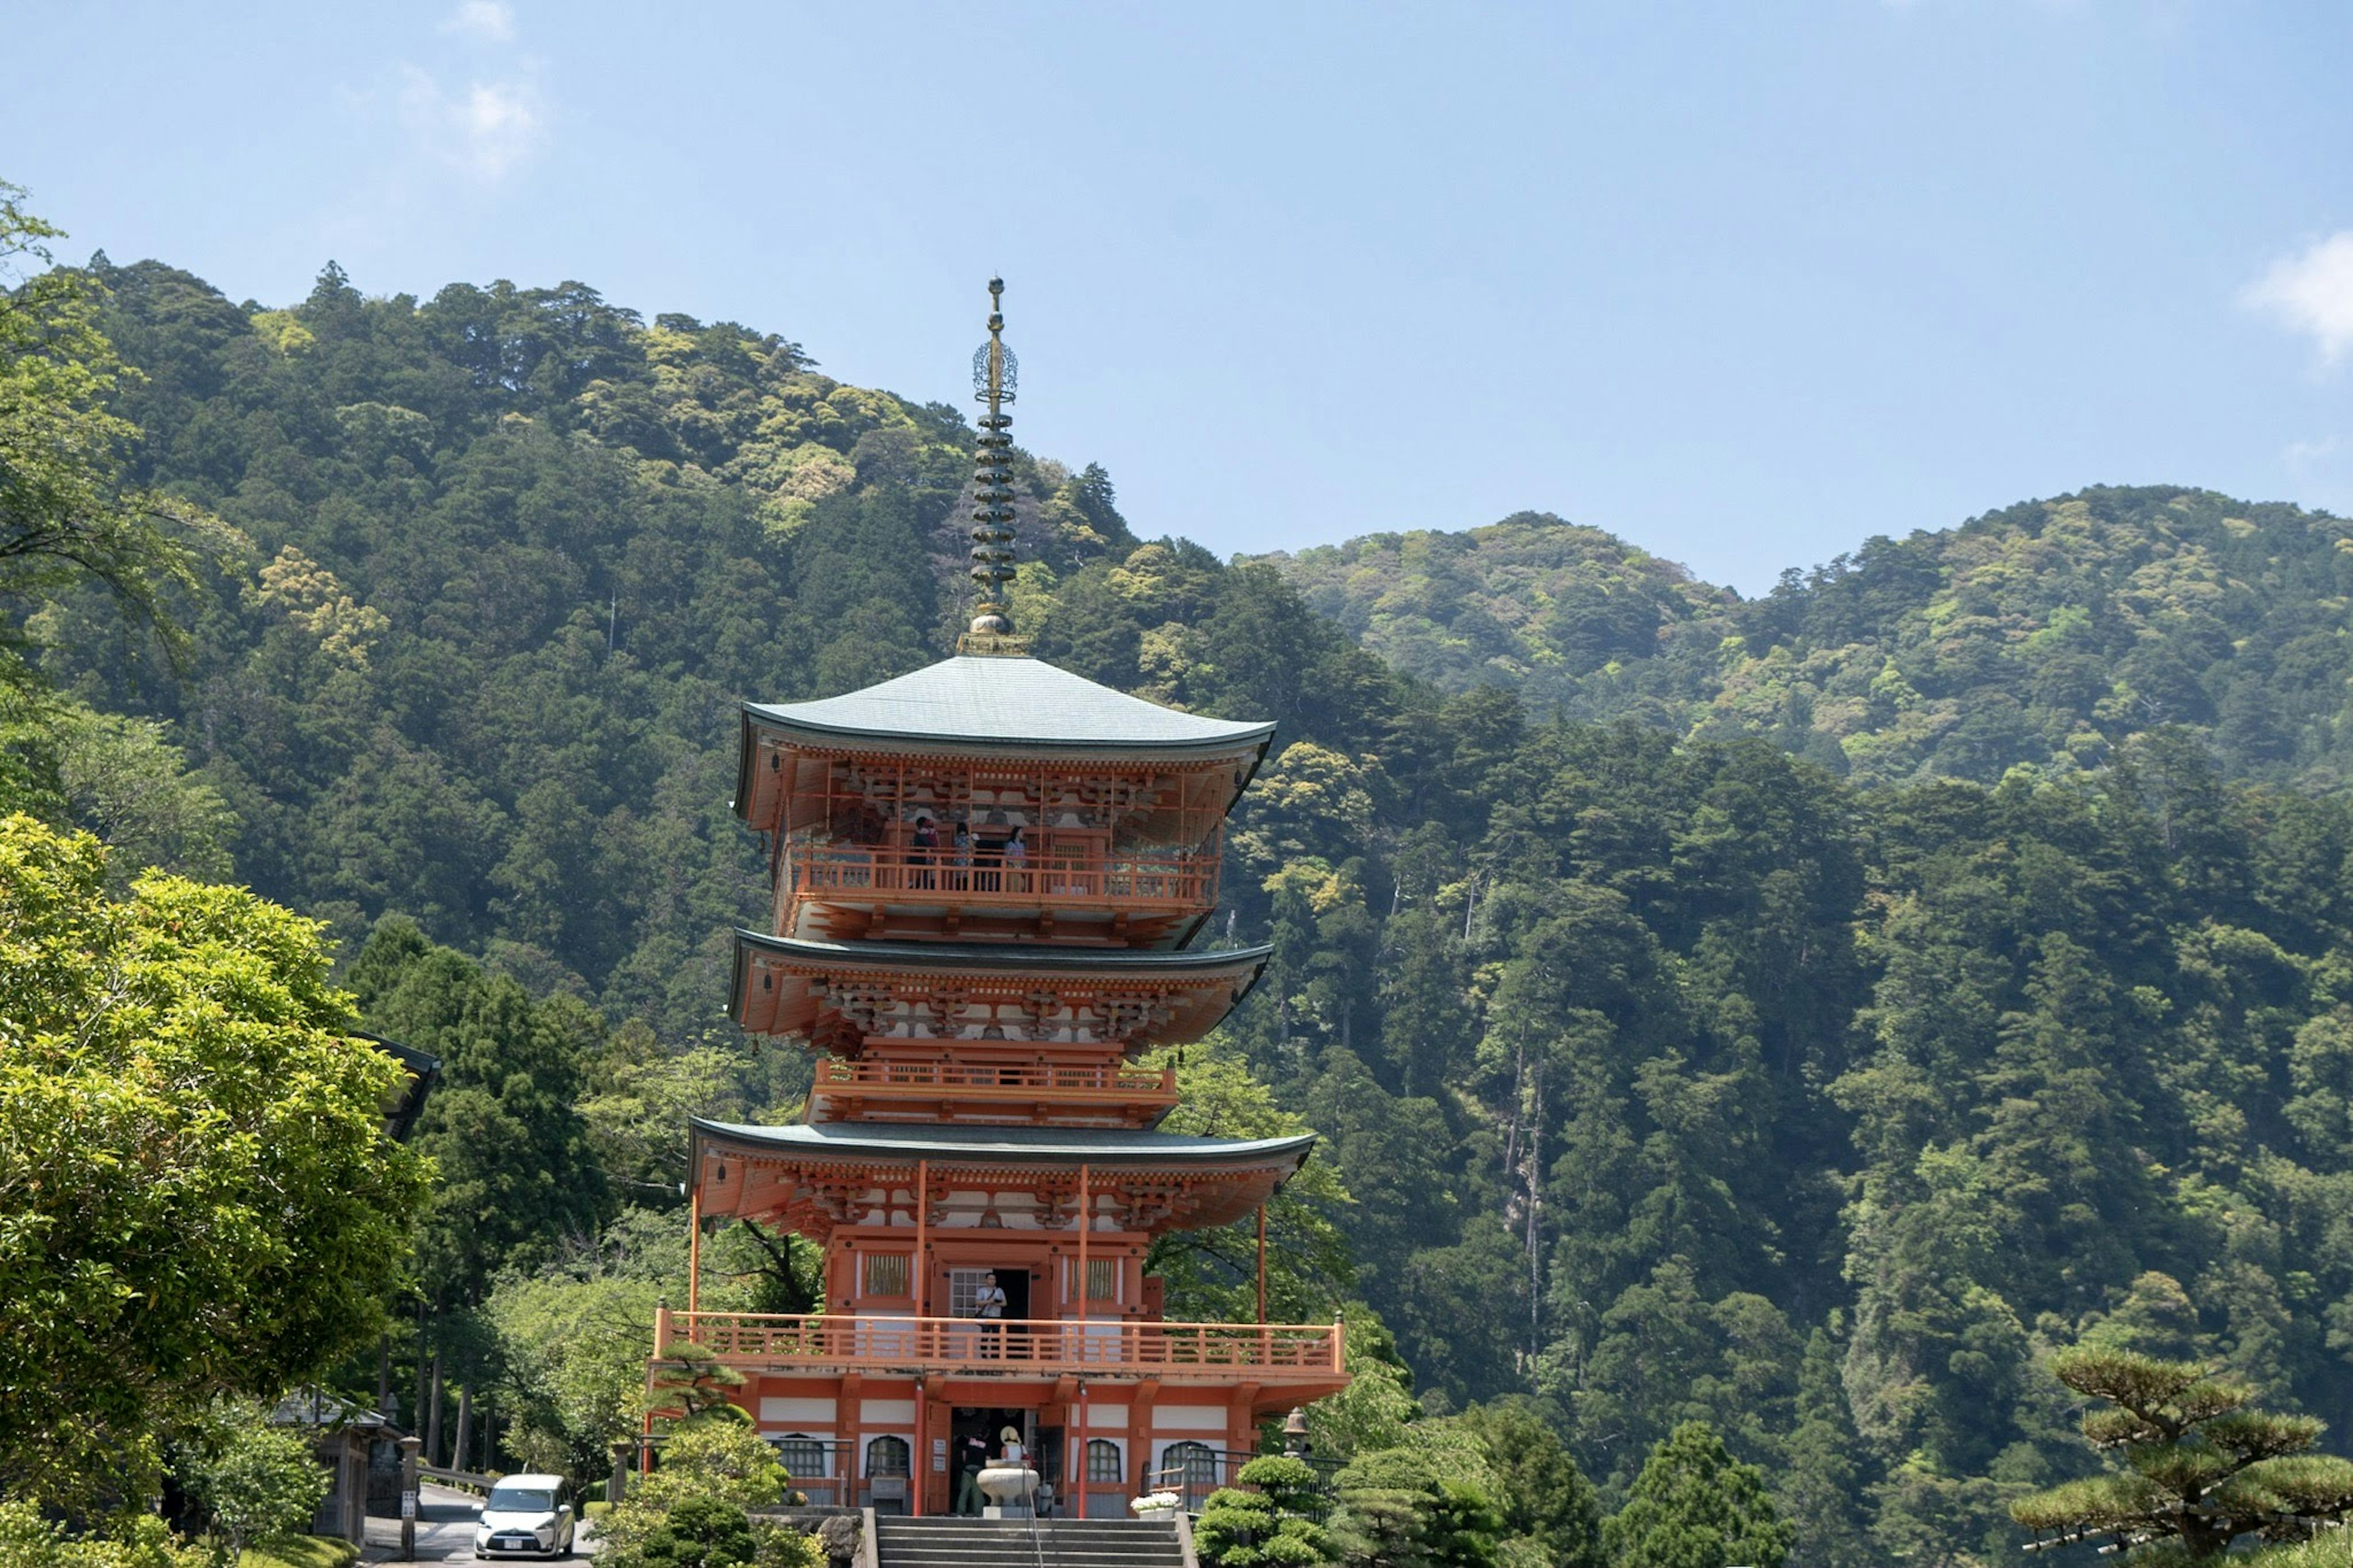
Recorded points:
(740,1169)
(1246,752)
(796,961)
(999,1147)
(1240,740)
(1004,958)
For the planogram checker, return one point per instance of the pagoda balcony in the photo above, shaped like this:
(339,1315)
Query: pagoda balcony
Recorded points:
(879,1089)
(826,1345)
(1144,898)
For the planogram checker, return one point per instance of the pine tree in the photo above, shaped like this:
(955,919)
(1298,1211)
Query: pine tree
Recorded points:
(2199,1466)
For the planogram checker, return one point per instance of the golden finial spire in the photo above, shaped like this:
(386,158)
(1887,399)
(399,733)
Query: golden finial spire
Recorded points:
(993,373)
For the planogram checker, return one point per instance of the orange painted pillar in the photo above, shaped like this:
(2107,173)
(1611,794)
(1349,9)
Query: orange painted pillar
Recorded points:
(694,1255)
(1086,1224)
(919,1463)
(922,1241)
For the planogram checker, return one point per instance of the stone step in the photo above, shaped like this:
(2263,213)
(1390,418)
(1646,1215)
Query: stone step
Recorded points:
(965,1542)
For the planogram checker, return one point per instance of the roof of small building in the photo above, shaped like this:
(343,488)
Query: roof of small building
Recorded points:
(1006,704)
(1010,1145)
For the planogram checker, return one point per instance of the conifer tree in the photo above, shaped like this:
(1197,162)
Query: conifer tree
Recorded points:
(2199,1466)
(1695,1506)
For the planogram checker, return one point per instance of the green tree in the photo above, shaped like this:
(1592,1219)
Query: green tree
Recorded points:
(1695,1506)
(66,512)
(516,1173)
(2200,1465)
(1541,1496)
(1395,1512)
(710,1474)
(199,1197)
(253,1481)
(1266,1520)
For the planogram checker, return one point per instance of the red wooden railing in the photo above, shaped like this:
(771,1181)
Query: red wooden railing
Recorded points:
(930,1075)
(1038,1345)
(1173,882)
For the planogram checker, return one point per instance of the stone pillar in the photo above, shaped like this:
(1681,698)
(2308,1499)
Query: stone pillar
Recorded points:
(622,1454)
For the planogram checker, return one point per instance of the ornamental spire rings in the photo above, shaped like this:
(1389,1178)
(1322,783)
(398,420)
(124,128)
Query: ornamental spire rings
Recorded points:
(994,374)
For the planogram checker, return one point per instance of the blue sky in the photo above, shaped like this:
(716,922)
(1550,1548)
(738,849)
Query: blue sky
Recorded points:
(1742,282)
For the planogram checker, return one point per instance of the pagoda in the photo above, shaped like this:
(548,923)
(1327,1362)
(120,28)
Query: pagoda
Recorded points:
(986,876)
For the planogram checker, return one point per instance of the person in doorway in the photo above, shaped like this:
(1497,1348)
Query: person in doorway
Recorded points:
(1013,1451)
(988,1306)
(972,1457)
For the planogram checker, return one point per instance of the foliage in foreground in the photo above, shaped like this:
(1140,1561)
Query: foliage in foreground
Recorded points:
(251,1480)
(197,1196)
(1265,1522)
(691,1512)
(29,1539)
(2200,1465)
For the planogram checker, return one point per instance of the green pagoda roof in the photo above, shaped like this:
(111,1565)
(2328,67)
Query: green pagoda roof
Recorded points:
(1010,1145)
(1000,704)
(1015,958)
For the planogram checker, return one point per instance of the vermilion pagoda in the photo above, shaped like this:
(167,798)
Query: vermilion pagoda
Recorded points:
(986,873)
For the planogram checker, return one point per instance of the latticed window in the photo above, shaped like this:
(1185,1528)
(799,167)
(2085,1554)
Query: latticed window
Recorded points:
(1103,1468)
(1103,1278)
(803,1457)
(886,1274)
(1192,1465)
(963,1290)
(887,1457)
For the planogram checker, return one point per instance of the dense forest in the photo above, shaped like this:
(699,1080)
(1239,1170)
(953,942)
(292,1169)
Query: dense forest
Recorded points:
(1800,1015)
(2047,632)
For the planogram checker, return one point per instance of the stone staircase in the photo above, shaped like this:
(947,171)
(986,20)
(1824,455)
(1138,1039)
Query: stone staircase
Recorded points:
(953,1543)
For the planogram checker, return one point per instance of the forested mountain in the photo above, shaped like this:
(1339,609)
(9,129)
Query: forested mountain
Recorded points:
(2046,633)
(1670,1073)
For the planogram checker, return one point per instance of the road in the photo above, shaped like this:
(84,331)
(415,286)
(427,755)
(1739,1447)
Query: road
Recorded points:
(445,1530)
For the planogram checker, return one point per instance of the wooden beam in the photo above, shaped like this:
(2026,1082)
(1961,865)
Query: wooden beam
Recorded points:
(1261,1264)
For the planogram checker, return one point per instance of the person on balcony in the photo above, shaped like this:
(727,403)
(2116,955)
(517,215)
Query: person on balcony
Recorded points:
(960,854)
(1017,858)
(988,1306)
(925,851)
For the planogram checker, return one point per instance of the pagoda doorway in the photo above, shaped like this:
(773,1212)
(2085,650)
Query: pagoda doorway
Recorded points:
(965,1286)
(976,1436)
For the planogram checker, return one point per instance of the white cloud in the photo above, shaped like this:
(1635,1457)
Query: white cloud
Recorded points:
(492,21)
(2304,454)
(486,132)
(2312,292)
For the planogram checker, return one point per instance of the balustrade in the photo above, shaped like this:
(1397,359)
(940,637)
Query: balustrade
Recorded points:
(1142,881)
(1031,1345)
(926,1075)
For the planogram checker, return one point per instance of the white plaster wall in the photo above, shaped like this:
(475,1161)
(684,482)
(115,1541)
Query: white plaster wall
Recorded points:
(1189,1418)
(796,1411)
